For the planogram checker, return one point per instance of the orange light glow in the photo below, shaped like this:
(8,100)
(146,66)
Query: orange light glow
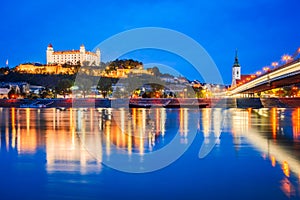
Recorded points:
(296,123)
(286,58)
(258,73)
(28,120)
(181,121)
(274,64)
(273,161)
(286,169)
(274,122)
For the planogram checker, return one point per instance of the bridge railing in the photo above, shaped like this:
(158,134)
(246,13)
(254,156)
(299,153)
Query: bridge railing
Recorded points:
(269,71)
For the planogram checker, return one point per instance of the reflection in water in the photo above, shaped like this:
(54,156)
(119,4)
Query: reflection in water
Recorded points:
(65,135)
(296,123)
(287,187)
(64,150)
(212,122)
(134,130)
(274,121)
(265,130)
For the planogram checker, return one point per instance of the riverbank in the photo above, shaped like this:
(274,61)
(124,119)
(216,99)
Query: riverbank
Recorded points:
(119,103)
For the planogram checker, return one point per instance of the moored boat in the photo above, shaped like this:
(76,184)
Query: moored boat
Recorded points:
(36,104)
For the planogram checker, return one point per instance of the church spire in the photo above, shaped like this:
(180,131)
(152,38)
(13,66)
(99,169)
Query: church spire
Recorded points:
(236,59)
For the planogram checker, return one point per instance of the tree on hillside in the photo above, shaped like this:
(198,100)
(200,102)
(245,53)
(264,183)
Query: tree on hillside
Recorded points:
(4,70)
(85,82)
(63,87)
(105,86)
(46,93)
(156,71)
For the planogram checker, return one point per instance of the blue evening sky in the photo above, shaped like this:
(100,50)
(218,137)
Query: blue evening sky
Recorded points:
(262,30)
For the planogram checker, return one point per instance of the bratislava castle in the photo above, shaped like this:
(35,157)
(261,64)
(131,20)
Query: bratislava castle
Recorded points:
(72,57)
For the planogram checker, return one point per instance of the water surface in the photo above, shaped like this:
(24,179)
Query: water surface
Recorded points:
(53,154)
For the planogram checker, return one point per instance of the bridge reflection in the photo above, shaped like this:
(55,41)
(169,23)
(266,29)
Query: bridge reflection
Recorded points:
(268,131)
(65,135)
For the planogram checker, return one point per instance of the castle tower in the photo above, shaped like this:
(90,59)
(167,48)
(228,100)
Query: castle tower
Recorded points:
(236,70)
(98,53)
(49,53)
(82,54)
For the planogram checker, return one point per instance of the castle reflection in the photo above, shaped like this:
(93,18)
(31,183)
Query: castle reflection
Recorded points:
(75,140)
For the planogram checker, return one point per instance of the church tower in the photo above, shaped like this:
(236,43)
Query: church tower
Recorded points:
(236,70)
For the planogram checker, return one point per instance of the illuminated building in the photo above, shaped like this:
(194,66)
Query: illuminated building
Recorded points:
(236,70)
(57,59)
(122,72)
(33,68)
(73,57)
(237,77)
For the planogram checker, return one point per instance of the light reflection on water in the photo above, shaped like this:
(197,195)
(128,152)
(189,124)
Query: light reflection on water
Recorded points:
(64,136)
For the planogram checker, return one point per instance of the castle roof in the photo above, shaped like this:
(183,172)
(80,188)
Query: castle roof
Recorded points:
(66,52)
(72,52)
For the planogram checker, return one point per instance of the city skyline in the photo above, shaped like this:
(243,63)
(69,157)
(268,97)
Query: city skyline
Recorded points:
(262,30)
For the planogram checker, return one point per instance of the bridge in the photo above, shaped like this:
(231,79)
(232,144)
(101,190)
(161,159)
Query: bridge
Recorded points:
(285,75)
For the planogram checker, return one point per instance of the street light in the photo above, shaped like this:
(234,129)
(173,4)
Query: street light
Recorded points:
(274,64)
(286,58)
(266,69)
(258,73)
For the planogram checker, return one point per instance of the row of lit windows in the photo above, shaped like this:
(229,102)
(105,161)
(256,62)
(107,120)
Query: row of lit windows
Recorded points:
(73,58)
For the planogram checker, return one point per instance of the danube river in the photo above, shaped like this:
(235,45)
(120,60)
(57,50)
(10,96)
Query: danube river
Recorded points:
(153,153)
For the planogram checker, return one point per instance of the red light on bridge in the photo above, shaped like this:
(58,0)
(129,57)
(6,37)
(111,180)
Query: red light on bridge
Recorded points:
(253,76)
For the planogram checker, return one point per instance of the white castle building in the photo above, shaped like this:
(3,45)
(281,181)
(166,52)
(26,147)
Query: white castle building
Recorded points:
(72,57)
